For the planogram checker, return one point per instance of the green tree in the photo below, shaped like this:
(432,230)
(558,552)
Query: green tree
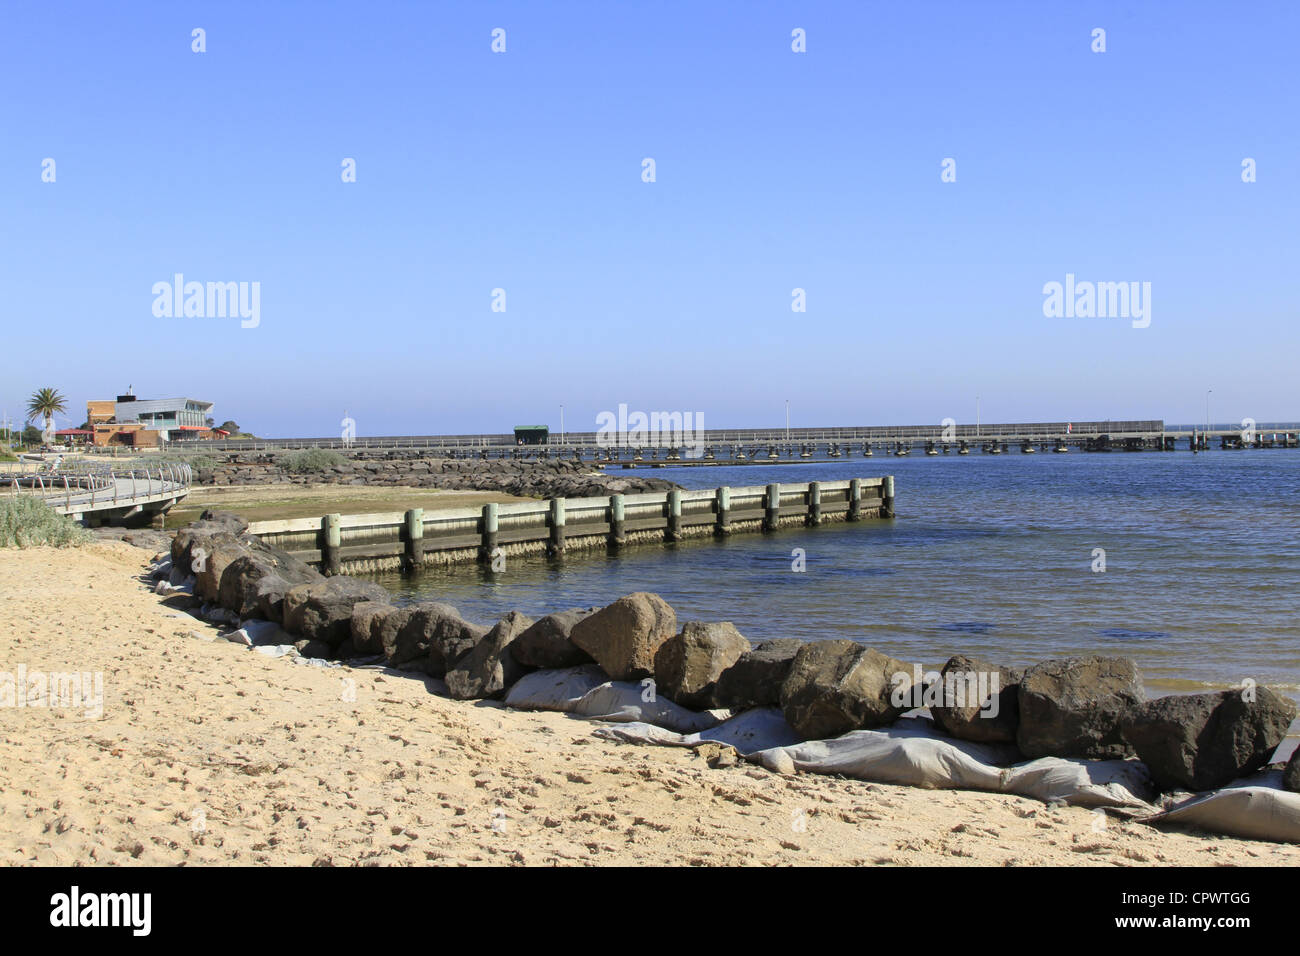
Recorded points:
(230,427)
(44,403)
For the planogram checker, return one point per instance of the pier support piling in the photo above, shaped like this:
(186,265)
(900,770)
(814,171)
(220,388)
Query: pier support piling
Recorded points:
(723,527)
(617,515)
(556,546)
(772,510)
(332,534)
(491,526)
(414,538)
(674,515)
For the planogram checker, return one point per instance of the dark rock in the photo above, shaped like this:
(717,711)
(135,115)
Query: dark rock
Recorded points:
(1073,707)
(430,636)
(624,637)
(1206,741)
(755,679)
(1291,775)
(837,686)
(968,709)
(367,621)
(317,649)
(546,644)
(210,557)
(210,523)
(688,664)
(322,611)
(489,670)
(254,584)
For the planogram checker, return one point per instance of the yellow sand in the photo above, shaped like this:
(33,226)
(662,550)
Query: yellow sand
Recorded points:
(209,753)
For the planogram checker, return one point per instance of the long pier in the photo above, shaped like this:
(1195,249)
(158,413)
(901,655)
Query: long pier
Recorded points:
(710,446)
(415,538)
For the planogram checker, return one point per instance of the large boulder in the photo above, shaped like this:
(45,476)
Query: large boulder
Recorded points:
(624,637)
(210,557)
(837,686)
(978,701)
(367,621)
(546,644)
(755,679)
(209,524)
(489,670)
(254,584)
(1206,741)
(429,636)
(1073,707)
(688,664)
(322,611)
(1291,775)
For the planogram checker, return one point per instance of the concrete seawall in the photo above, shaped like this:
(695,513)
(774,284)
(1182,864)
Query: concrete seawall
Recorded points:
(415,538)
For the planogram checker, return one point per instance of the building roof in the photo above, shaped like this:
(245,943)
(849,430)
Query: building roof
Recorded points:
(74,431)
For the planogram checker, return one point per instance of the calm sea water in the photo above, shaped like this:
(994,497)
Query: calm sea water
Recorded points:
(988,555)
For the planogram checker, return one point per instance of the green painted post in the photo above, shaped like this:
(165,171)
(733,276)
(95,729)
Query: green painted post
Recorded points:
(333,543)
(675,515)
(814,502)
(490,534)
(773,509)
(887,497)
(855,499)
(557,527)
(724,511)
(414,537)
(617,515)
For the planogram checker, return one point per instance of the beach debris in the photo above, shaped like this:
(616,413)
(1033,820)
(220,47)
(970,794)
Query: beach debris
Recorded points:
(1072,707)
(624,637)
(1205,741)
(688,664)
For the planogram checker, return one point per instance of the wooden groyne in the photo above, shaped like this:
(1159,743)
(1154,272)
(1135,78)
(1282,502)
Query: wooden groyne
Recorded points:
(415,538)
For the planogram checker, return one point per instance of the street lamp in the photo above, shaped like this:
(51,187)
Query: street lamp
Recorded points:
(1207,418)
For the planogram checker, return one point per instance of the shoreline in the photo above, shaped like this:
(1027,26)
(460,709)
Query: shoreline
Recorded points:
(208,753)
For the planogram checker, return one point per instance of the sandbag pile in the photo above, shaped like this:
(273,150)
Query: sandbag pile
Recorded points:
(828,706)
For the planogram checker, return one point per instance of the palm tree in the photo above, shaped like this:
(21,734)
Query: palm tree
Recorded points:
(43,404)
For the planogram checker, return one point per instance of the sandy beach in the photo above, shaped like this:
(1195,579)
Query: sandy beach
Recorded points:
(208,753)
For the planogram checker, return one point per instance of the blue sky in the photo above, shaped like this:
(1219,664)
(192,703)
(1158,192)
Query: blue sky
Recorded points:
(774,170)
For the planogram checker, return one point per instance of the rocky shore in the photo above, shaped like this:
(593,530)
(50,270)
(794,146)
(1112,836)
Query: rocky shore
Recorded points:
(1082,709)
(550,478)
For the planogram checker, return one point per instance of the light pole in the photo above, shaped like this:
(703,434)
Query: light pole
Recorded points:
(787,419)
(1207,418)
(977,416)
(561,424)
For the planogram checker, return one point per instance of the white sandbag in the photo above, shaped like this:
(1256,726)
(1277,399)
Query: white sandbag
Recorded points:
(904,755)
(915,753)
(1256,808)
(1114,784)
(265,632)
(759,729)
(624,702)
(559,689)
